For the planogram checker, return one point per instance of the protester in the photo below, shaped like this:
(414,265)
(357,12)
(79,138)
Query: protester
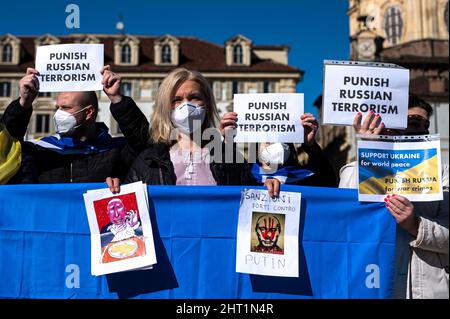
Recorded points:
(422,245)
(81,151)
(183,145)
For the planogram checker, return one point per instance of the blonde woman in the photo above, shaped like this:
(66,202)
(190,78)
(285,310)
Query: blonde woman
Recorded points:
(182,146)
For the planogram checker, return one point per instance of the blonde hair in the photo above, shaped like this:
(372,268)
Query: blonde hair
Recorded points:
(161,124)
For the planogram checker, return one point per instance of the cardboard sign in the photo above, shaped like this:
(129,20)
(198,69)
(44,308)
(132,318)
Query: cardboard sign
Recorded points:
(70,67)
(352,87)
(411,169)
(121,230)
(267,239)
(269,117)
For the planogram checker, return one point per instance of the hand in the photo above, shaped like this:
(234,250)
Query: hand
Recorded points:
(310,126)
(111,84)
(403,211)
(273,187)
(29,87)
(113,184)
(228,124)
(372,124)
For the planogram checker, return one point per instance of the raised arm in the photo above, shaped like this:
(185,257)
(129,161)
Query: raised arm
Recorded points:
(18,113)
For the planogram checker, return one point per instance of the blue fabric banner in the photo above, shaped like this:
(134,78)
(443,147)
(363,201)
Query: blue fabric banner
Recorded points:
(346,247)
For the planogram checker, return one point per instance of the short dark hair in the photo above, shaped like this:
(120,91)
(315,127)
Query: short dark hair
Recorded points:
(415,101)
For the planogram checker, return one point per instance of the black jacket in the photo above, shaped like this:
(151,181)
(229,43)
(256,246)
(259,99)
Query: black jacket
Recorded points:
(41,165)
(153,165)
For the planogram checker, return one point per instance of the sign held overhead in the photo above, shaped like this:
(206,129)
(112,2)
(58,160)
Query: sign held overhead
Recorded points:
(352,87)
(69,67)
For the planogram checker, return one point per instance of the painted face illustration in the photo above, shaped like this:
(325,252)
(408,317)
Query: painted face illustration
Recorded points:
(116,211)
(268,229)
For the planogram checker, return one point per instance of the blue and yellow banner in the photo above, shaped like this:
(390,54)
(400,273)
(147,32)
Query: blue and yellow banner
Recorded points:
(411,169)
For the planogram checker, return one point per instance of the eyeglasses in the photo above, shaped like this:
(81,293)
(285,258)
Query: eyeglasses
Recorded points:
(417,125)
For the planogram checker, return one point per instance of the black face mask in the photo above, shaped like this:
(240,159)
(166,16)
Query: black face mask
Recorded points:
(417,125)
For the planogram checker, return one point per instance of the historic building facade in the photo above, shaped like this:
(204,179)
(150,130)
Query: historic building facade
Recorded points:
(238,66)
(410,33)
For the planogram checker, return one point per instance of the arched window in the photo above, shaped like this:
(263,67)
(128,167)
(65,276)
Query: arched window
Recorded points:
(7,53)
(446,16)
(166,54)
(125,54)
(237,54)
(393,25)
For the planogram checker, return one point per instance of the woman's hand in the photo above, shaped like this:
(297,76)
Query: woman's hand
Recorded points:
(273,187)
(113,184)
(111,84)
(403,211)
(310,126)
(228,124)
(372,124)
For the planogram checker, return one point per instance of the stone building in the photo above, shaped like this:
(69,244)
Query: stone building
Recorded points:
(238,66)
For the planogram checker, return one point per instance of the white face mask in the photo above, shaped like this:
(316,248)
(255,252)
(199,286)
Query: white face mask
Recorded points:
(65,122)
(275,154)
(188,117)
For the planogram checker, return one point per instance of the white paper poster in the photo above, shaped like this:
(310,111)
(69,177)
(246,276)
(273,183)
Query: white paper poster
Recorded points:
(352,87)
(269,117)
(267,237)
(70,67)
(121,231)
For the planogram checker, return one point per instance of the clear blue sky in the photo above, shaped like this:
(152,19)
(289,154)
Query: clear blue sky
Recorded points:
(315,30)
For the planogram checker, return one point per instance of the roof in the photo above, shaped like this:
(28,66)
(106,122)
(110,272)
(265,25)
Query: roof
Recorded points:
(195,54)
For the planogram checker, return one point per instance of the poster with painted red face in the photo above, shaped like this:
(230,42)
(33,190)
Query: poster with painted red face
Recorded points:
(113,209)
(268,234)
(119,225)
(121,232)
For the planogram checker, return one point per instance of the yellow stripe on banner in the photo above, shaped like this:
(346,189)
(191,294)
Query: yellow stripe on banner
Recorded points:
(420,179)
(10,156)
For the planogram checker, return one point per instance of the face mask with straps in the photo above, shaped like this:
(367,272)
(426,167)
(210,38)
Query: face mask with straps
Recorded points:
(188,117)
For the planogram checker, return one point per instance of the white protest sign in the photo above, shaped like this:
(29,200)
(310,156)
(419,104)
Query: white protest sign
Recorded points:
(69,67)
(269,117)
(267,238)
(352,87)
